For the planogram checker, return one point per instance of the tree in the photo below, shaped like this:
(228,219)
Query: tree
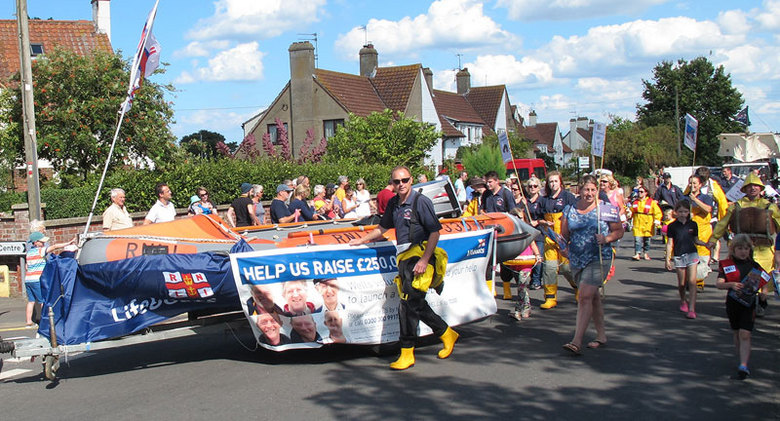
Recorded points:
(76,103)
(386,137)
(485,158)
(703,91)
(631,149)
(521,147)
(203,144)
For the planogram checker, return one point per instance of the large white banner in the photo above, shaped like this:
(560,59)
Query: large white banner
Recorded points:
(305,297)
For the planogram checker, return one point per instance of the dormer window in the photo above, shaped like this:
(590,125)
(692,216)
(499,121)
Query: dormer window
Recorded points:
(36,49)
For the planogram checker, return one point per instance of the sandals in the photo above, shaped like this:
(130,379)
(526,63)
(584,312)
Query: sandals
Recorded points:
(573,348)
(595,344)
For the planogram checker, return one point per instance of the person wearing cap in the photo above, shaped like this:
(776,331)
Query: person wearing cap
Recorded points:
(200,203)
(757,217)
(280,213)
(116,217)
(35,262)
(163,209)
(667,193)
(241,212)
(479,186)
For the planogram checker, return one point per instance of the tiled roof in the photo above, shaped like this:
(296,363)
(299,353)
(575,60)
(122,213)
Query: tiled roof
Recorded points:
(586,134)
(448,129)
(543,133)
(78,36)
(486,100)
(355,93)
(394,84)
(455,107)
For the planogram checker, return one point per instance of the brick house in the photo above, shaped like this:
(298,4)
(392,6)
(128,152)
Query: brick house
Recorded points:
(321,100)
(547,139)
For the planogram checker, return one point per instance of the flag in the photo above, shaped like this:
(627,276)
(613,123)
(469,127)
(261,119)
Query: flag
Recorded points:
(598,139)
(503,143)
(742,117)
(145,61)
(691,131)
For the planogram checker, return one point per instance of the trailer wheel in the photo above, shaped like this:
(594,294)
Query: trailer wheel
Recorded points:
(51,364)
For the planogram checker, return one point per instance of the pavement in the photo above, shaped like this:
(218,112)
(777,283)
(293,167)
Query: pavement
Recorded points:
(12,318)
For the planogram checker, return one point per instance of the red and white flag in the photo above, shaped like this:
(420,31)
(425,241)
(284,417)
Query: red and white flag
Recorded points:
(145,61)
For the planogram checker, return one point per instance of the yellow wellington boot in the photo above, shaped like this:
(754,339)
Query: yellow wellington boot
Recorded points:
(405,361)
(700,284)
(550,297)
(448,338)
(507,290)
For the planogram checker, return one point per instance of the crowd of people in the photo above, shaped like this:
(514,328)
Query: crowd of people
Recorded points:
(579,236)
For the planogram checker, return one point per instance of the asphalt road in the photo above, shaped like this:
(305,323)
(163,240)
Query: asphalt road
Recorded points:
(657,365)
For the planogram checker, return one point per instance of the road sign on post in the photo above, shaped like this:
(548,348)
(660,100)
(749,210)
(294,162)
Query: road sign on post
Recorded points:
(584,162)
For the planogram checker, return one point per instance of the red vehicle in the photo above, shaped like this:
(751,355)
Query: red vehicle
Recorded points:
(526,167)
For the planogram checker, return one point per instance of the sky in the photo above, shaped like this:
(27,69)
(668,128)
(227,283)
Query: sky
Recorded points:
(228,59)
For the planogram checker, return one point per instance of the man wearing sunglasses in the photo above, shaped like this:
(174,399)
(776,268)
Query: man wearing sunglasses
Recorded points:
(414,220)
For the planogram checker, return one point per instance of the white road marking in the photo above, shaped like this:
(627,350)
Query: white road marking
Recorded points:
(13,373)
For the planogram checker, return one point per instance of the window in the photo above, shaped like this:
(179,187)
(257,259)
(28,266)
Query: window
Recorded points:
(329,127)
(274,132)
(36,49)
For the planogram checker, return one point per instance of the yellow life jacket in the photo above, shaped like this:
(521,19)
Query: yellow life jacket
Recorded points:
(433,276)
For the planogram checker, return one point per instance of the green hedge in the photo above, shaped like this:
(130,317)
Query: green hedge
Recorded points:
(222,178)
(10,198)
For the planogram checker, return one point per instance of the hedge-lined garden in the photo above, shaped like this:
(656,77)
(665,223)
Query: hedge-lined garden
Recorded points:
(222,178)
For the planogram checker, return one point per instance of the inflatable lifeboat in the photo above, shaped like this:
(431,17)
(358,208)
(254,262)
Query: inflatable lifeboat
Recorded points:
(202,233)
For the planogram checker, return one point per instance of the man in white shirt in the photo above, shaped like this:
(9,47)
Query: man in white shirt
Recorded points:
(116,217)
(460,187)
(163,210)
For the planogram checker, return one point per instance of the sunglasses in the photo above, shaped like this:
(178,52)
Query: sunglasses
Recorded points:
(398,181)
(533,186)
(515,189)
(203,194)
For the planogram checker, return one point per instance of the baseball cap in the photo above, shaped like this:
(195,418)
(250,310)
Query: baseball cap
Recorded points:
(667,175)
(38,236)
(283,187)
(245,187)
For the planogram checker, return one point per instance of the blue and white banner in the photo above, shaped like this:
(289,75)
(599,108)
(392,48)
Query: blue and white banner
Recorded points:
(307,297)
(107,300)
(691,132)
(598,139)
(506,150)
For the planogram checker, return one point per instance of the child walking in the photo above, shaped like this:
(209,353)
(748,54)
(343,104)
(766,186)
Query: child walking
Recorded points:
(683,236)
(520,269)
(744,278)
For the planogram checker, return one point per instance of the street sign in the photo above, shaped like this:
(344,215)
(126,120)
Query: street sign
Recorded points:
(13,248)
(584,162)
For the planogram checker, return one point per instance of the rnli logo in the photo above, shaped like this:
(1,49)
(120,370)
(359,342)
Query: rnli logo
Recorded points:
(479,250)
(407,213)
(187,285)
(499,202)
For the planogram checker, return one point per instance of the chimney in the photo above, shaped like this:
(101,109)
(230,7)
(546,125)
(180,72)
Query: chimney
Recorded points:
(369,60)
(532,118)
(463,80)
(101,16)
(582,122)
(301,93)
(428,73)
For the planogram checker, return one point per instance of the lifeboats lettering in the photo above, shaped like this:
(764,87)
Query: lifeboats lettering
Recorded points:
(134,308)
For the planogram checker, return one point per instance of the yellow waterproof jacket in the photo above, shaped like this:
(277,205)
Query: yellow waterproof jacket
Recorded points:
(760,202)
(434,274)
(472,209)
(717,194)
(646,214)
(702,219)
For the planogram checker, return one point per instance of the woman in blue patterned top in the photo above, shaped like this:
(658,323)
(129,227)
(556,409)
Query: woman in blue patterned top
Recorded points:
(580,228)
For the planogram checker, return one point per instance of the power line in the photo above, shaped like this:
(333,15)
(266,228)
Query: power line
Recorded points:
(220,108)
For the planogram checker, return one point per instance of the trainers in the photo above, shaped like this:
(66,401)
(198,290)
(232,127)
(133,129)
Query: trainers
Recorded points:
(742,372)
(684,307)
(635,257)
(535,285)
(691,315)
(515,315)
(526,313)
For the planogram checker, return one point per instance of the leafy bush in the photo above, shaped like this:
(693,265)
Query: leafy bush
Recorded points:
(222,178)
(485,158)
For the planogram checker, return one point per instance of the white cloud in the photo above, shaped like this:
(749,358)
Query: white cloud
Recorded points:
(252,19)
(200,49)
(599,90)
(770,19)
(529,10)
(506,69)
(733,22)
(555,102)
(448,23)
(633,44)
(242,62)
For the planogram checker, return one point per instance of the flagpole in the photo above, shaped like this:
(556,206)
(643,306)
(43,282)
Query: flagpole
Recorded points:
(124,107)
(517,174)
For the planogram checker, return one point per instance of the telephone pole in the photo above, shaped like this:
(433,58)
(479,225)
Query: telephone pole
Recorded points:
(28,113)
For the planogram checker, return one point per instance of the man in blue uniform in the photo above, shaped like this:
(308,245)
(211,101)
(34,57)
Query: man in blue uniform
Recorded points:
(414,220)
